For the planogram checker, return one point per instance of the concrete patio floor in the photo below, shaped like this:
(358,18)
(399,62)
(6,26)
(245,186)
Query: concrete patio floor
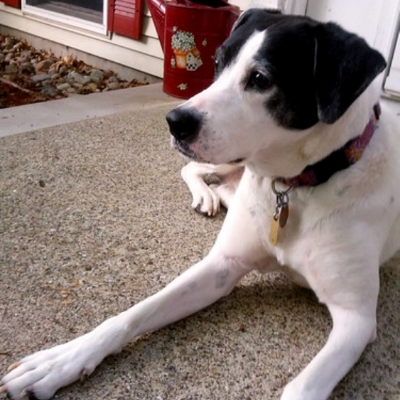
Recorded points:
(94,217)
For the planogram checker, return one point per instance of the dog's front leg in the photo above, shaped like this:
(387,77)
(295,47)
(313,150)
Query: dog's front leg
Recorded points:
(42,373)
(351,333)
(353,309)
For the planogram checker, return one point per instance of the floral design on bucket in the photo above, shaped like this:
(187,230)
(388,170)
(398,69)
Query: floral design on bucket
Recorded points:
(187,55)
(182,86)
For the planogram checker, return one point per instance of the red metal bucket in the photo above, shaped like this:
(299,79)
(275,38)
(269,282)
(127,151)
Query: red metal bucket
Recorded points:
(193,32)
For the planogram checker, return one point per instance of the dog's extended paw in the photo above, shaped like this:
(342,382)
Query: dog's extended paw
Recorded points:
(297,390)
(40,375)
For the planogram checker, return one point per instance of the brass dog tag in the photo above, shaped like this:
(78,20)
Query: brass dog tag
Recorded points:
(283,215)
(274,231)
(281,212)
(278,221)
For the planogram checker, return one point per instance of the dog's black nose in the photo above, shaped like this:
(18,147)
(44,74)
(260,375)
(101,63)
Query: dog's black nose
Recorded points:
(184,123)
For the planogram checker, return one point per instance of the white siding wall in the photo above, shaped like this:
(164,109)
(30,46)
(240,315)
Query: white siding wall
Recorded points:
(144,55)
(375,20)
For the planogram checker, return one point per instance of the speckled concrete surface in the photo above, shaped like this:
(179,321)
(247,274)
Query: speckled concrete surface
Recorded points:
(95,217)
(79,108)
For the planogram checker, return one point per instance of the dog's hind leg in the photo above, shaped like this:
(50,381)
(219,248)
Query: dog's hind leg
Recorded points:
(207,200)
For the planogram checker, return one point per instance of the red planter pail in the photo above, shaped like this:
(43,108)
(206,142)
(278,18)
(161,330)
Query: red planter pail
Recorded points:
(193,32)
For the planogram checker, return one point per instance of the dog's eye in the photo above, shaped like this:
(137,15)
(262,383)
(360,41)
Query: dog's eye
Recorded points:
(216,63)
(259,80)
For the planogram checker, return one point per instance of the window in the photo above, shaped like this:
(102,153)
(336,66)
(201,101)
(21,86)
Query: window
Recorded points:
(124,17)
(90,15)
(91,10)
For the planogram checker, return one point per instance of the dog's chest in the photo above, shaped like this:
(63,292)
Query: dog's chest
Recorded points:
(295,240)
(279,219)
(329,217)
(282,240)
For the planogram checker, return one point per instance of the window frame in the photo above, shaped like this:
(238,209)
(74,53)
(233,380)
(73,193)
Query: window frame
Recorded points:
(69,20)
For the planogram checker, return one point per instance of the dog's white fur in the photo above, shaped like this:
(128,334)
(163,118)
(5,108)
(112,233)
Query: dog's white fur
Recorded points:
(337,235)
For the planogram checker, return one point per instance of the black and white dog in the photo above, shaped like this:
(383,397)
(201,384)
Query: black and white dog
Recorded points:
(312,164)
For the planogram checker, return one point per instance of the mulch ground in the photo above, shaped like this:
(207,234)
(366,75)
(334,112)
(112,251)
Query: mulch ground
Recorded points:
(21,65)
(11,96)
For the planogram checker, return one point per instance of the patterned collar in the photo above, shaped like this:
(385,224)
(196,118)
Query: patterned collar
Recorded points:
(340,159)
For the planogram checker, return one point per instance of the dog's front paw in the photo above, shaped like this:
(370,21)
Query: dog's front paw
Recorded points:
(41,374)
(206,201)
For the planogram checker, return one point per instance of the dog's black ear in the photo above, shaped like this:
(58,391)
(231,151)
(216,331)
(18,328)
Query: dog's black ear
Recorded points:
(344,67)
(252,14)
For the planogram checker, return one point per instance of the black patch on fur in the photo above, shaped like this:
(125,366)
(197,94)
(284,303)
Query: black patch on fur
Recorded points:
(249,22)
(345,66)
(317,70)
(288,55)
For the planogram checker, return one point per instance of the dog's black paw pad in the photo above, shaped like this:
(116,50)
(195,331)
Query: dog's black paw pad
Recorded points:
(201,212)
(31,395)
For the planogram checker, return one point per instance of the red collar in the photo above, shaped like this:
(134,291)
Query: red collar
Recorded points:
(340,159)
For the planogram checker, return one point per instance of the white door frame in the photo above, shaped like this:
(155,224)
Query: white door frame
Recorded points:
(298,7)
(395,46)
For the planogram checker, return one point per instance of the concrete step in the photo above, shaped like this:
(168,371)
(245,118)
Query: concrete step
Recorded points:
(78,108)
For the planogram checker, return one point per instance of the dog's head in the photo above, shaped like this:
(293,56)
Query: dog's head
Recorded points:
(276,77)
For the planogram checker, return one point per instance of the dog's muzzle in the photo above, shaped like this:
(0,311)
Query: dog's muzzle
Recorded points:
(184,124)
